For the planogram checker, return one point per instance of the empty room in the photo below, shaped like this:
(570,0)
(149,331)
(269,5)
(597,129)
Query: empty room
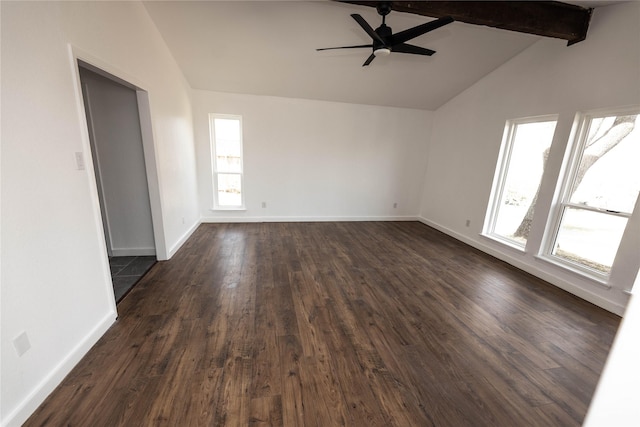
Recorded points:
(345,213)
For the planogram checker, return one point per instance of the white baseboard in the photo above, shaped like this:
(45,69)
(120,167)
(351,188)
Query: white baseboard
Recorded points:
(28,406)
(545,275)
(183,239)
(133,252)
(307,219)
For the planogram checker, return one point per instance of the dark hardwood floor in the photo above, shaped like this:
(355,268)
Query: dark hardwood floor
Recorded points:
(329,324)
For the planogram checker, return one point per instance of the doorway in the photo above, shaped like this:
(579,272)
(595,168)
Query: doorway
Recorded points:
(117,151)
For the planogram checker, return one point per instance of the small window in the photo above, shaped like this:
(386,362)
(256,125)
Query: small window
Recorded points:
(226,159)
(524,152)
(599,192)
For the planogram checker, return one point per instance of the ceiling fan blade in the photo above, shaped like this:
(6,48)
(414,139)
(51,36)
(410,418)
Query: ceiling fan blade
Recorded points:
(365,26)
(414,32)
(369,59)
(346,47)
(409,48)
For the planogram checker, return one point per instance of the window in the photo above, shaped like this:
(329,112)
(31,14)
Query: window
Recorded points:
(599,192)
(226,159)
(525,148)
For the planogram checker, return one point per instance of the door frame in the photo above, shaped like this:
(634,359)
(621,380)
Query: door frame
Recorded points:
(80,58)
(95,158)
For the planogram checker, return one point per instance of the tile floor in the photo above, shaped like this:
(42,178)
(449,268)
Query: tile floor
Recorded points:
(127,270)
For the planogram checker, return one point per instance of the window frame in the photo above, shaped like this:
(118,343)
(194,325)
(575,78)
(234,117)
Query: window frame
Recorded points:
(572,158)
(214,164)
(500,177)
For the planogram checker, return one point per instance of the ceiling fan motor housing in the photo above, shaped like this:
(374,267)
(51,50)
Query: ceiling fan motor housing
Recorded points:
(385,34)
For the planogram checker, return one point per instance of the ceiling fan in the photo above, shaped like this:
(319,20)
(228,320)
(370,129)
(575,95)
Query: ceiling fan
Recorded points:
(384,41)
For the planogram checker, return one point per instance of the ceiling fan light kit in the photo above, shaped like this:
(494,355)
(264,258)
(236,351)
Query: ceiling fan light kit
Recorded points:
(383,41)
(383,51)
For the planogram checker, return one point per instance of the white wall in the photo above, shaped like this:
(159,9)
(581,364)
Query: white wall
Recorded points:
(316,160)
(547,78)
(615,402)
(55,281)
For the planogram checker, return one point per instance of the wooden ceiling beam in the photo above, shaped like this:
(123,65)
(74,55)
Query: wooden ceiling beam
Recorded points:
(543,18)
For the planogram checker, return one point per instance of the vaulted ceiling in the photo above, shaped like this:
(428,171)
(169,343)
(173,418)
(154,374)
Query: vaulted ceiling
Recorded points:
(269,48)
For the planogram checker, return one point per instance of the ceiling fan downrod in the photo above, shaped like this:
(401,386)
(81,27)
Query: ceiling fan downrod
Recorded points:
(383,8)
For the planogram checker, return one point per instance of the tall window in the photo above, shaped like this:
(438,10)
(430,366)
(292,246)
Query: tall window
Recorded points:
(524,152)
(599,192)
(226,152)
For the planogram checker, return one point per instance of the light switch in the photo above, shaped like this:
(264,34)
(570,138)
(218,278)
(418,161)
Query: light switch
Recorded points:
(79,160)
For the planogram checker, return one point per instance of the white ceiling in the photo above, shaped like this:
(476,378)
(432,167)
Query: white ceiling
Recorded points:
(268,48)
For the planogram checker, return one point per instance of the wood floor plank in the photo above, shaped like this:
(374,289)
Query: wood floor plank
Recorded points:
(266,378)
(337,324)
(306,306)
(362,405)
(266,411)
(324,403)
(233,400)
(289,354)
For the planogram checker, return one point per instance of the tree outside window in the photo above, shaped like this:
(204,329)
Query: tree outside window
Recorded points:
(600,191)
(525,148)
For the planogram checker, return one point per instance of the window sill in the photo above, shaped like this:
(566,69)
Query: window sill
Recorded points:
(504,242)
(599,280)
(239,209)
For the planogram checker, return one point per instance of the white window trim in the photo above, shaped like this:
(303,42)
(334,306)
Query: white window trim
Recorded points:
(214,170)
(500,177)
(583,272)
(575,149)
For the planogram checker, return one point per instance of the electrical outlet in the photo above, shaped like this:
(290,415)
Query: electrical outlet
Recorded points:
(21,344)
(395,205)
(264,204)
(468,223)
